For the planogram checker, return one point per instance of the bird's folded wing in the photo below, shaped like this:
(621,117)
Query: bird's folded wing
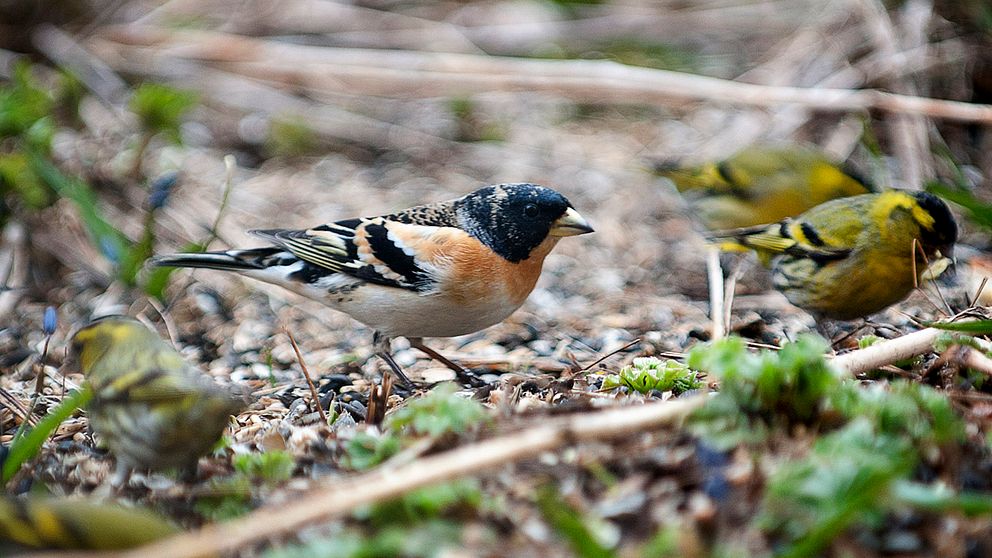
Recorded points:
(376,250)
(796,238)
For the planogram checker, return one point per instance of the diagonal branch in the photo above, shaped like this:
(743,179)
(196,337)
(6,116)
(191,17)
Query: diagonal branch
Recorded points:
(340,496)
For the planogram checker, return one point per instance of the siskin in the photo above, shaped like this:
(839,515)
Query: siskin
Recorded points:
(852,257)
(78,525)
(153,409)
(761,184)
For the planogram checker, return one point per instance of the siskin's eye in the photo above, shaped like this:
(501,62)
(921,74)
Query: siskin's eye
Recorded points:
(530,210)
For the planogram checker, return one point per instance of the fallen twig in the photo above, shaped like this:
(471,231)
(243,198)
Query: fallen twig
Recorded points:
(609,354)
(337,497)
(974,359)
(887,352)
(424,74)
(306,374)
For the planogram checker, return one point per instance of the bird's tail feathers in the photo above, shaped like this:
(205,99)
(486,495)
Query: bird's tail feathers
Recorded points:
(230,260)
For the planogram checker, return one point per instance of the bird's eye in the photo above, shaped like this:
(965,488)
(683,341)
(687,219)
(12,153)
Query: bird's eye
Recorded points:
(530,210)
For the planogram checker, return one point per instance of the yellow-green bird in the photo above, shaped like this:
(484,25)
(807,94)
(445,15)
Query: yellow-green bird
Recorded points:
(78,524)
(153,409)
(855,256)
(761,184)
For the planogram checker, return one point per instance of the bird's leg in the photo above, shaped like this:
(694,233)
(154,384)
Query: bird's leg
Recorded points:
(120,477)
(381,346)
(836,333)
(461,373)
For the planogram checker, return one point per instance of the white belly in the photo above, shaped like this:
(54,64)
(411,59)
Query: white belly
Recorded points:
(398,312)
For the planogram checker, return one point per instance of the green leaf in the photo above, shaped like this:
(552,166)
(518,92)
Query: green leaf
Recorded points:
(771,388)
(226,498)
(941,499)
(569,524)
(365,451)
(429,502)
(25,447)
(439,412)
(162,108)
(271,467)
(138,253)
(22,105)
(846,479)
(291,137)
(976,327)
(16,175)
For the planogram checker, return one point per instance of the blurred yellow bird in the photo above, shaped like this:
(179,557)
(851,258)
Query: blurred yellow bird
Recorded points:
(78,524)
(154,410)
(761,184)
(855,256)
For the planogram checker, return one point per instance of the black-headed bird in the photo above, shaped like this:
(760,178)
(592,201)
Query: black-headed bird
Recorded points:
(438,270)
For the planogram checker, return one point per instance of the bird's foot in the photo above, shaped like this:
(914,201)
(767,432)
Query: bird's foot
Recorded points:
(465,376)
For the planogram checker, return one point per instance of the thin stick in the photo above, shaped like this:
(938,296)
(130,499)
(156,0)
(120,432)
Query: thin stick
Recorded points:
(609,354)
(379,400)
(338,496)
(306,374)
(170,326)
(978,293)
(731,289)
(714,274)
(230,163)
(425,74)
(933,279)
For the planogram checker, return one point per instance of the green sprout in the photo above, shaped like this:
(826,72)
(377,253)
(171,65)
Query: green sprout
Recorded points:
(270,467)
(230,497)
(365,450)
(438,413)
(761,392)
(652,374)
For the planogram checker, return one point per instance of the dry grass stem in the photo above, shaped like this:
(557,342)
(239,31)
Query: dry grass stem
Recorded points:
(714,275)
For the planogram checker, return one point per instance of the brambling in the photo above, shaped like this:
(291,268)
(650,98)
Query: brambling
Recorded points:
(438,270)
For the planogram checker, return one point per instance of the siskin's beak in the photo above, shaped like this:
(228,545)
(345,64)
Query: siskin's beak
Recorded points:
(947,253)
(570,224)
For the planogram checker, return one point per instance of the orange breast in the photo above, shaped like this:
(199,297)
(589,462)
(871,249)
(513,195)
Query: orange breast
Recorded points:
(472,274)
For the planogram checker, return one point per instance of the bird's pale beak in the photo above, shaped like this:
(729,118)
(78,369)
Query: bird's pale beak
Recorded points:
(570,224)
(947,252)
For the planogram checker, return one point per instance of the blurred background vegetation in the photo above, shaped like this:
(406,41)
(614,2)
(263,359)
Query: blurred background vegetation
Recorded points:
(132,127)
